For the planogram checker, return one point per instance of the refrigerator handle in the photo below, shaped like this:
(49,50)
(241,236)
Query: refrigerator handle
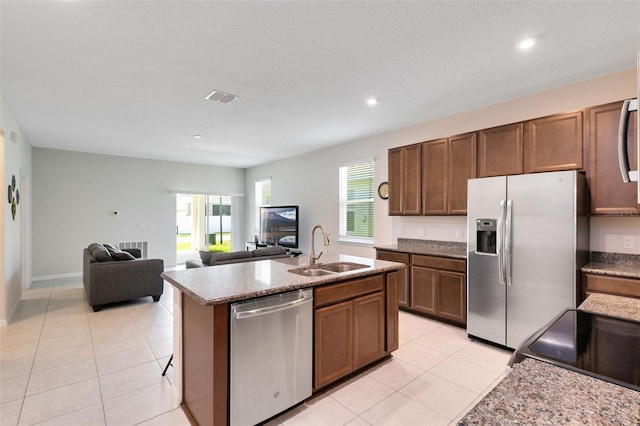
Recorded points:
(623,155)
(507,242)
(500,243)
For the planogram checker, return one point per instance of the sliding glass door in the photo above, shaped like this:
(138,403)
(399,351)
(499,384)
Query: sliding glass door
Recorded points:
(203,222)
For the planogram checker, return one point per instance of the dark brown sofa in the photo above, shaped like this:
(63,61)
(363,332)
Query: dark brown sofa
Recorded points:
(108,280)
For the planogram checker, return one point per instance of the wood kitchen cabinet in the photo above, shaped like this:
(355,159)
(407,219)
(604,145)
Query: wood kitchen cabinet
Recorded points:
(593,283)
(553,143)
(501,150)
(351,325)
(438,287)
(435,286)
(609,195)
(447,164)
(403,280)
(405,180)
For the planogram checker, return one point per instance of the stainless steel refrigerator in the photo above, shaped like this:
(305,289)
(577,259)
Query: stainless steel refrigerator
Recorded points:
(528,236)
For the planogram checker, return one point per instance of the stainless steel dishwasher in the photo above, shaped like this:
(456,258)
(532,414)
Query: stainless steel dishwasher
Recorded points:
(271,355)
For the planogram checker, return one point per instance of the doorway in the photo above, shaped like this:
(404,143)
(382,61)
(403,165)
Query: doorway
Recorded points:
(203,222)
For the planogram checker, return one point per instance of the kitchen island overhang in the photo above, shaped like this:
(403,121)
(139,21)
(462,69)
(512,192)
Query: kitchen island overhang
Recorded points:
(364,300)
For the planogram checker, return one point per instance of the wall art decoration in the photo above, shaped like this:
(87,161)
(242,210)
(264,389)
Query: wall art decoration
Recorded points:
(13,196)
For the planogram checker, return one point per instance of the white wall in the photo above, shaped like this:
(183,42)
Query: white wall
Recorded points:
(75,194)
(16,258)
(311,180)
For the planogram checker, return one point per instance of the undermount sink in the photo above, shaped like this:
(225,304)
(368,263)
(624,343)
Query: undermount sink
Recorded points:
(327,268)
(342,266)
(310,272)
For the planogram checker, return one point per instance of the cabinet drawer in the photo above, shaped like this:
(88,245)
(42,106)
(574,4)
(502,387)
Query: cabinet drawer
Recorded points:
(393,256)
(627,287)
(347,290)
(439,263)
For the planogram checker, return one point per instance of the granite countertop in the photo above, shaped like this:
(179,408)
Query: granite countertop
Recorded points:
(215,285)
(536,392)
(450,249)
(613,264)
(615,306)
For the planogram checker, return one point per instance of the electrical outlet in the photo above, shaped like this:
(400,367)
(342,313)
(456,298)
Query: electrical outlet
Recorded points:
(400,231)
(627,242)
(459,234)
(421,232)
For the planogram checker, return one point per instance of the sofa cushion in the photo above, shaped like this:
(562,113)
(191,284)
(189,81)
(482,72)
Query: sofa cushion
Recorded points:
(112,248)
(223,257)
(268,251)
(122,255)
(100,253)
(205,255)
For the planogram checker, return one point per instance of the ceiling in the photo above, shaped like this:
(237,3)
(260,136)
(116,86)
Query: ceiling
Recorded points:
(130,78)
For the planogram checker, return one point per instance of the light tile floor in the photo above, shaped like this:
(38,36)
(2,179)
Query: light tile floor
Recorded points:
(63,364)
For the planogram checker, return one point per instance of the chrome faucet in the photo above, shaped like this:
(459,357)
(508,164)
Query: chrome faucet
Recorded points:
(312,253)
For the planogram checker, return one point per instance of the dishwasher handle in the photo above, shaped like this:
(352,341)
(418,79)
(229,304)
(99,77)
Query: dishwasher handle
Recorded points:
(304,299)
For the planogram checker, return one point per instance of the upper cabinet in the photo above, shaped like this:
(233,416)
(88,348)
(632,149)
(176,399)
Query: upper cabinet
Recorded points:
(431,178)
(609,195)
(447,164)
(501,150)
(405,180)
(553,143)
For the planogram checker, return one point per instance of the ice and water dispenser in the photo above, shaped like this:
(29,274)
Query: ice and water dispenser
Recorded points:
(486,237)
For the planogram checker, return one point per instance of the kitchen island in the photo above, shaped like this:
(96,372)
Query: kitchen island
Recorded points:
(537,392)
(355,322)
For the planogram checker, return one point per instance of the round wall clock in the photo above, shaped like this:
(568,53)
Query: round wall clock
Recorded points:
(383,190)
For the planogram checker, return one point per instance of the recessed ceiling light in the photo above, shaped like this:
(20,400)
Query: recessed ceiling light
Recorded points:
(372,101)
(527,43)
(197,136)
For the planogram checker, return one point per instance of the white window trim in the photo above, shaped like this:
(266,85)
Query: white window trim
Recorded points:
(348,239)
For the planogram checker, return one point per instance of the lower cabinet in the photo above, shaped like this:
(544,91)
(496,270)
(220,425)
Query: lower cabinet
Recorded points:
(627,287)
(435,286)
(355,325)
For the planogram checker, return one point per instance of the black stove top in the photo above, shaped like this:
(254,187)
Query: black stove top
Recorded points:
(597,345)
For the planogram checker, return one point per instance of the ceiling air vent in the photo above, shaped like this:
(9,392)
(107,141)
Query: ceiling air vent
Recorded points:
(221,97)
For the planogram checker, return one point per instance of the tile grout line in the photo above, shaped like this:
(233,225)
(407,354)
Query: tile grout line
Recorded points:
(33,361)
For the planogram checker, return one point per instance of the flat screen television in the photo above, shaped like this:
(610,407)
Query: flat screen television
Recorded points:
(279,226)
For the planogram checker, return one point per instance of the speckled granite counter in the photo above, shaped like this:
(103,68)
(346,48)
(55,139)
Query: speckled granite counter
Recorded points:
(616,306)
(428,247)
(221,284)
(613,264)
(536,392)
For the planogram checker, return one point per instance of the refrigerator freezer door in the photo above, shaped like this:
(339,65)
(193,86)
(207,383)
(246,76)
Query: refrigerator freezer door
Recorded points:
(543,251)
(486,296)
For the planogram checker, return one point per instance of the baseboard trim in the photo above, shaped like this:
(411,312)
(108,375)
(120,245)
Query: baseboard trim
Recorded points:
(56,276)
(5,321)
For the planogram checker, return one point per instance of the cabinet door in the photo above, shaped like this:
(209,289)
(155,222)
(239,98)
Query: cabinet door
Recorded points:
(412,190)
(462,167)
(451,299)
(609,195)
(434,169)
(403,283)
(333,343)
(395,181)
(423,286)
(501,150)
(393,280)
(554,143)
(369,332)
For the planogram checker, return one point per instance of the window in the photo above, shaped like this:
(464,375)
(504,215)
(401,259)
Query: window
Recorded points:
(262,198)
(356,203)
